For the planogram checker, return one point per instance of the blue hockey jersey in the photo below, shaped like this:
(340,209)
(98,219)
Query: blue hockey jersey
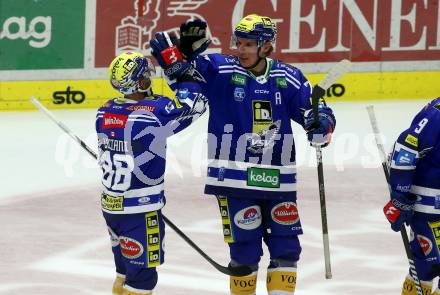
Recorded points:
(415,161)
(251,151)
(132,147)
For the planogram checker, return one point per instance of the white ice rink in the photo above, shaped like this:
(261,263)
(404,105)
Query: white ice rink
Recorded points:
(54,241)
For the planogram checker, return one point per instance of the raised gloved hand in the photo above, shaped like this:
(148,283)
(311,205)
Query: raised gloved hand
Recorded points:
(193,40)
(165,50)
(319,135)
(399,210)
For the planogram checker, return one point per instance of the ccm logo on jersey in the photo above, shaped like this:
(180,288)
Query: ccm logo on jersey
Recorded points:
(285,213)
(261,91)
(425,244)
(130,248)
(113,121)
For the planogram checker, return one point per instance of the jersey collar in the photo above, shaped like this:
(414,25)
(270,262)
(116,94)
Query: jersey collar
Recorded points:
(262,79)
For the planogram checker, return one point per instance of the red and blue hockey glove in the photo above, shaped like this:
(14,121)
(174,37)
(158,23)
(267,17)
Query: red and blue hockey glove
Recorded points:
(193,40)
(320,135)
(165,50)
(398,210)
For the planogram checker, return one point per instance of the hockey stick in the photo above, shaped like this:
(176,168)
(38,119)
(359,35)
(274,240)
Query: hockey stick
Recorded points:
(238,271)
(318,92)
(381,149)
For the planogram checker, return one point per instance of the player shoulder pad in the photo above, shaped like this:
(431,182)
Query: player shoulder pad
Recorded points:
(114,105)
(292,70)
(293,77)
(222,59)
(107,104)
(432,110)
(143,106)
(435,104)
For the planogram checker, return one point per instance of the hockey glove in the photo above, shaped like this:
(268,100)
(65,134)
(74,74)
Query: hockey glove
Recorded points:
(193,40)
(399,210)
(320,135)
(166,52)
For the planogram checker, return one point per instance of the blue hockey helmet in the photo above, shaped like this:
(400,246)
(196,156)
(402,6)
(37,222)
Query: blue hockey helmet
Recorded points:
(256,27)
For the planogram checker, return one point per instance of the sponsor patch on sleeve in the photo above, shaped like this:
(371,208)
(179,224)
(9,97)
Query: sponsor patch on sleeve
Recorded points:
(405,158)
(412,140)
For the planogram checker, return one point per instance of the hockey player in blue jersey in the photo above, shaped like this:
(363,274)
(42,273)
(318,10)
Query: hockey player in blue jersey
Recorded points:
(132,132)
(415,194)
(251,165)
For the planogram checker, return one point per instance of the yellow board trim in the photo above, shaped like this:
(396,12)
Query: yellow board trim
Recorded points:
(385,85)
(15,95)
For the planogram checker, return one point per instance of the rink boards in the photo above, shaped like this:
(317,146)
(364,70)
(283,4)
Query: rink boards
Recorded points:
(74,94)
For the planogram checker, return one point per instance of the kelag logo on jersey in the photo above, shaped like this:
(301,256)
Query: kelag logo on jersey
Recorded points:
(238,79)
(262,177)
(281,82)
(262,111)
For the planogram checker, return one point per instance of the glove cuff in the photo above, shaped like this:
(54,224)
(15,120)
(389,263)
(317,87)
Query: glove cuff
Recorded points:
(402,202)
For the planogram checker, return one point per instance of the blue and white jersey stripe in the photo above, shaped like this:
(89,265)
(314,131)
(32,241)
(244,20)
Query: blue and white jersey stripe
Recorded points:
(428,199)
(249,176)
(138,200)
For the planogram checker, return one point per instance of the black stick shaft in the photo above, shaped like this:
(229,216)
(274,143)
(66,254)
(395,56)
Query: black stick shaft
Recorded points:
(325,237)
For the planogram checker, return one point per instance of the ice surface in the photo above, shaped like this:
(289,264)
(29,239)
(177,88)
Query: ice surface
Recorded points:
(54,240)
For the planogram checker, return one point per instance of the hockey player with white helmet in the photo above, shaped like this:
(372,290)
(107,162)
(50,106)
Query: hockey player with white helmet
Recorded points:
(132,132)
(415,194)
(251,165)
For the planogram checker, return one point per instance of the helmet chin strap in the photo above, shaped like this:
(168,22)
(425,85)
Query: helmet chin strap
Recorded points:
(148,91)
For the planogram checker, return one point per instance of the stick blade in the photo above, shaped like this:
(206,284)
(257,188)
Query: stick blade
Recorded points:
(239,270)
(335,74)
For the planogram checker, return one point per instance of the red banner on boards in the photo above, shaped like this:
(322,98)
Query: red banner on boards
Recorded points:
(308,30)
